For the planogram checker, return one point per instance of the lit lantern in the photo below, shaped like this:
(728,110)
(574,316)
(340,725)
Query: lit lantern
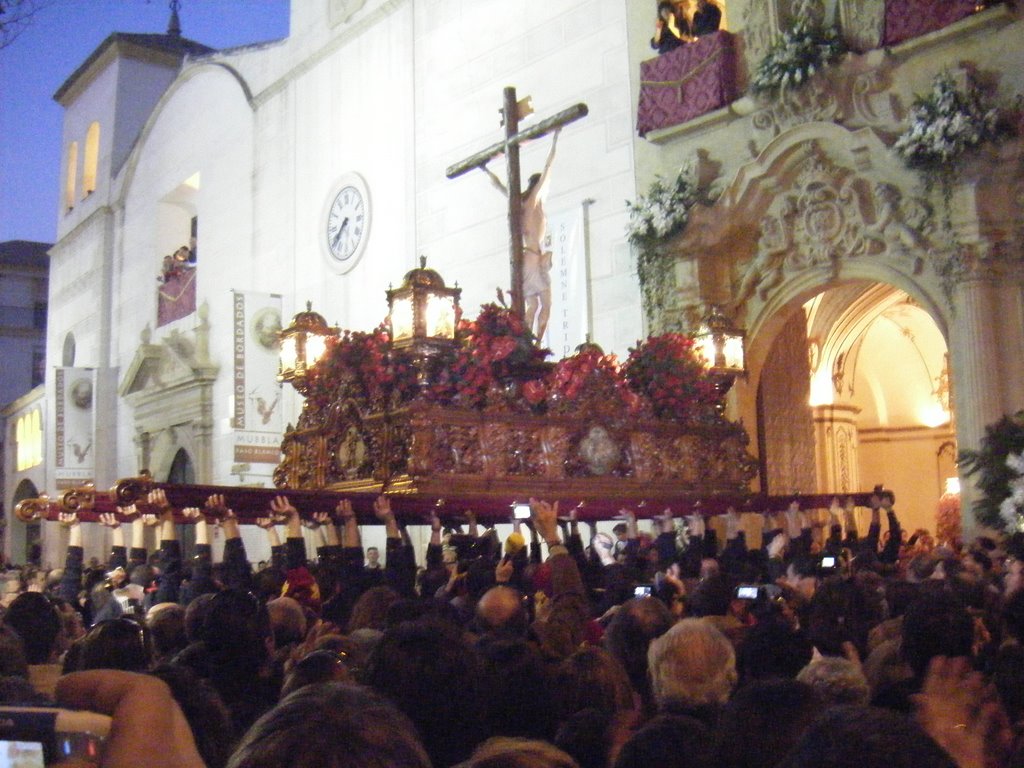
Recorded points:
(722,345)
(303,343)
(423,313)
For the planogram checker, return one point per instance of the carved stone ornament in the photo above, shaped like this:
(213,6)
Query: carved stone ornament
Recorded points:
(863,22)
(830,214)
(814,102)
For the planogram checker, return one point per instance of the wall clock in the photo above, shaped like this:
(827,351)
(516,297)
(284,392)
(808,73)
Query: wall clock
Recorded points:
(346,224)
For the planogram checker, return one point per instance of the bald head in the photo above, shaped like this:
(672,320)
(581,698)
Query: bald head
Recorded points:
(501,609)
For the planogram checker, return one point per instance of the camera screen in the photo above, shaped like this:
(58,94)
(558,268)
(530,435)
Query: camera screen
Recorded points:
(23,754)
(521,511)
(828,562)
(644,590)
(746,593)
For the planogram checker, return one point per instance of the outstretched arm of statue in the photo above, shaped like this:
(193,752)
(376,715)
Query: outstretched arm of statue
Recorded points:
(495,180)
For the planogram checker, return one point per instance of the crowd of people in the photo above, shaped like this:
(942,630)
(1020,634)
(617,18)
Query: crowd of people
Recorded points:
(683,22)
(826,646)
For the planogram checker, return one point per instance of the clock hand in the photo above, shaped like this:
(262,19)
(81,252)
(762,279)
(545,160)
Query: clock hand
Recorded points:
(338,234)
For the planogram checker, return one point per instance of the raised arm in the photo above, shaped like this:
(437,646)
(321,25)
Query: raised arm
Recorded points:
(545,175)
(495,181)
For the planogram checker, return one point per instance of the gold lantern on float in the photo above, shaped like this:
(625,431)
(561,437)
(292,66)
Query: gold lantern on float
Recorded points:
(723,346)
(423,313)
(303,343)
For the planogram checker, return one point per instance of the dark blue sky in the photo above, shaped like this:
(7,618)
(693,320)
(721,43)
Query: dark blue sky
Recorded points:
(60,37)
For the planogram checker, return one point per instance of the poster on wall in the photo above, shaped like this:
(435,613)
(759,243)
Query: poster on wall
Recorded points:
(567,326)
(256,419)
(74,426)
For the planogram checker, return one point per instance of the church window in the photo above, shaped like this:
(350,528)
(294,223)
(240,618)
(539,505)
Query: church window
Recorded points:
(28,436)
(67,358)
(91,159)
(71,176)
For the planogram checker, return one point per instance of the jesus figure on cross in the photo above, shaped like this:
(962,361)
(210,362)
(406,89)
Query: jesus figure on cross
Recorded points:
(537,258)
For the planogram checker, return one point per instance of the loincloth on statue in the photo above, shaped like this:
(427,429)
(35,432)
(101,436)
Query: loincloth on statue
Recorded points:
(536,273)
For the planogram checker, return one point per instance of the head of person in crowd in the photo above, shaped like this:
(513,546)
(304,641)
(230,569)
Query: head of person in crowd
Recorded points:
(866,737)
(208,717)
(287,621)
(516,688)
(502,609)
(634,626)
(371,609)
(195,615)
(36,620)
(592,678)
(505,752)
(763,721)
(320,666)
(712,596)
(12,654)
(692,668)
(116,644)
(836,681)
(332,725)
(840,614)
(166,624)
(773,648)
(373,557)
(434,676)
(669,741)
(936,624)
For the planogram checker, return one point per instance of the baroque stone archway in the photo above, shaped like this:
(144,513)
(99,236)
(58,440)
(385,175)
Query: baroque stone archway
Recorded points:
(821,206)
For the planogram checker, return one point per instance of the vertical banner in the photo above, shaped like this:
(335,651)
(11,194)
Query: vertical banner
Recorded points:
(567,326)
(257,393)
(74,426)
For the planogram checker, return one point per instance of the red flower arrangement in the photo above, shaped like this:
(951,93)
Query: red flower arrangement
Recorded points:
(493,350)
(496,363)
(592,373)
(672,374)
(362,366)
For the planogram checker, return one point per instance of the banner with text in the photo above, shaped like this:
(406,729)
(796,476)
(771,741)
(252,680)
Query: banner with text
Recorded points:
(567,327)
(74,426)
(255,389)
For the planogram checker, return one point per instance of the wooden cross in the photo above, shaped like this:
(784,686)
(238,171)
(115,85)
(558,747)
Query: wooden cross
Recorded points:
(512,111)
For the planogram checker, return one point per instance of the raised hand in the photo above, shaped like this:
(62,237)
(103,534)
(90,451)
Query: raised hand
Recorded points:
(344,511)
(545,518)
(282,509)
(503,571)
(67,519)
(158,498)
(109,520)
(382,509)
(193,514)
(128,513)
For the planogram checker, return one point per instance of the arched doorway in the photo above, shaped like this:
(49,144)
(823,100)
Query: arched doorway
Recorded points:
(26,538)
(183,472)
(855,391)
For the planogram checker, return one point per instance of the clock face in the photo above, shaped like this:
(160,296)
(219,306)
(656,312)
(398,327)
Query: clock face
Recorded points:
(348,220)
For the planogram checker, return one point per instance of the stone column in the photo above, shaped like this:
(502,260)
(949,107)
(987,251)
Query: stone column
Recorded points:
(976,374)
(836,445)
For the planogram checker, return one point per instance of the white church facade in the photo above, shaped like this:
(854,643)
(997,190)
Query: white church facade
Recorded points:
(860,312)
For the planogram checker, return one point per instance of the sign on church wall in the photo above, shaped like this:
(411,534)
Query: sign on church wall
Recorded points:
(74,426)
(567,328)
(256,393)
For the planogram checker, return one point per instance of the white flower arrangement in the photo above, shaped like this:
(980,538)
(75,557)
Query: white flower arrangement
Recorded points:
(793,60)
(665,209)
(1012,507)
(653,218)
(946,123)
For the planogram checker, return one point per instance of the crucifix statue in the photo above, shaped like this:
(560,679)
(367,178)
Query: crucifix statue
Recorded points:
(525,215)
